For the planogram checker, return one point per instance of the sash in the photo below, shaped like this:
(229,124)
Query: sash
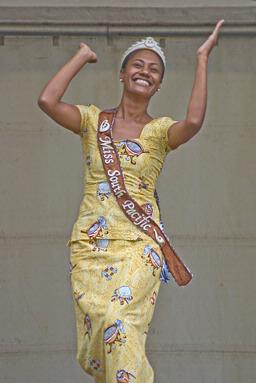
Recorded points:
(135,213)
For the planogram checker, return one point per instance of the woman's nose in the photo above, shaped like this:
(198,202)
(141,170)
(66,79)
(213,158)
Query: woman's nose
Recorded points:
(145,71)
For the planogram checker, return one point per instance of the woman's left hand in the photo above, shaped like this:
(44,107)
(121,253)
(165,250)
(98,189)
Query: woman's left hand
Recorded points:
(212,40)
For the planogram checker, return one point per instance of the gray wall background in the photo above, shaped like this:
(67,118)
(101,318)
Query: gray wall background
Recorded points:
(203,333)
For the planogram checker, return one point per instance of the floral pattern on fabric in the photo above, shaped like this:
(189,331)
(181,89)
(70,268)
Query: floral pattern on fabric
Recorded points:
(141,159)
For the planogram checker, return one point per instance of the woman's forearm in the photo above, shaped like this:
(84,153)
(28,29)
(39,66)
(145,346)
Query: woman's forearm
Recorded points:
(56,87)
(198,100)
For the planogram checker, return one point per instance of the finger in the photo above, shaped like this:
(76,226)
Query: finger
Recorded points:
(220,22)
(218,26)
(216,30)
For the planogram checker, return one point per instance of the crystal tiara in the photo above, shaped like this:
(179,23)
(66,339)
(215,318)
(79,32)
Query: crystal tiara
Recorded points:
(148,43)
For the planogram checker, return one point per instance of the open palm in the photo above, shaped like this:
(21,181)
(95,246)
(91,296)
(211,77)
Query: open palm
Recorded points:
(207,46)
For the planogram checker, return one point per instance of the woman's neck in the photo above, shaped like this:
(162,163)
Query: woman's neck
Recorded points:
(133,109)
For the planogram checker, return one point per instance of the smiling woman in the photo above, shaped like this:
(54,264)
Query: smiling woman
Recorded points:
(145,68)
(156,65)
(119,252)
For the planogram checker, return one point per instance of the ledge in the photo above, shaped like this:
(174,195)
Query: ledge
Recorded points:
(110,21)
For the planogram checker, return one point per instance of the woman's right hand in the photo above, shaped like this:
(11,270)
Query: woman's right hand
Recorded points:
(66,115)
(85,49)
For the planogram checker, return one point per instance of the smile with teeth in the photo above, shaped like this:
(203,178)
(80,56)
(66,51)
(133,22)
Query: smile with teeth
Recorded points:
(142,82)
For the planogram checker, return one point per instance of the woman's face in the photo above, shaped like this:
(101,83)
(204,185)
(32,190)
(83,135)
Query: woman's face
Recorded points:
(142,73)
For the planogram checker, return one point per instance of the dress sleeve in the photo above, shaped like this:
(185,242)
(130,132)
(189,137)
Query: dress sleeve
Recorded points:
(84,111)
(168,121)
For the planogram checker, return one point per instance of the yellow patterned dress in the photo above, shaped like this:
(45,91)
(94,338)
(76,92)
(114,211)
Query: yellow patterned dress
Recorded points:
(116,269)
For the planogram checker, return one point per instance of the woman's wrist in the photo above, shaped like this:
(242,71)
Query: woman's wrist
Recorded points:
(201,57)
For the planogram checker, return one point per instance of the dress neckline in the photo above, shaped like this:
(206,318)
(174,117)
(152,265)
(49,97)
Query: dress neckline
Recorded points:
(141,133)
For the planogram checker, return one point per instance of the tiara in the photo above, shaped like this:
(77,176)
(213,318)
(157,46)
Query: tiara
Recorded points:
(148,43)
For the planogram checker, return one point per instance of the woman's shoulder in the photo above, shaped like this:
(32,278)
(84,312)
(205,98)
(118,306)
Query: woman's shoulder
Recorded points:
(88,108)
(93,110)
(89,112)
(161,124)
(159,128)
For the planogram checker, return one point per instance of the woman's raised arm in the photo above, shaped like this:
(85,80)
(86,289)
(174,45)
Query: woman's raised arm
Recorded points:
(182,131)
(66,115)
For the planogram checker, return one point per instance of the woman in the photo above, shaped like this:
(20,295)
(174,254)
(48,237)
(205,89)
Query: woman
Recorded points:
(115,268)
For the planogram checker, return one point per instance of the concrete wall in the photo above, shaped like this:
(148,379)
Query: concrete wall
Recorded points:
(203,333)
(129,3)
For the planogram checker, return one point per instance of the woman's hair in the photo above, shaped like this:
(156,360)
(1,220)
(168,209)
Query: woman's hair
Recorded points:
(130,56)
